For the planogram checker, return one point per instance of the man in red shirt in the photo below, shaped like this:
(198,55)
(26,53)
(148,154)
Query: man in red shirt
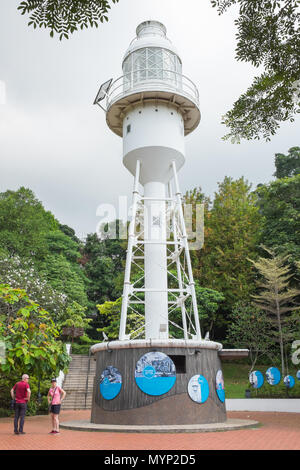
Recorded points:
(21,394)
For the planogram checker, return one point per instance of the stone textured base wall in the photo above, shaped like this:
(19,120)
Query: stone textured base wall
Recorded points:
(132,406)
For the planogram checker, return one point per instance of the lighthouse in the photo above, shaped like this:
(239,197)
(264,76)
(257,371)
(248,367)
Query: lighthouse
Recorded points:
(153,106)
(163,361)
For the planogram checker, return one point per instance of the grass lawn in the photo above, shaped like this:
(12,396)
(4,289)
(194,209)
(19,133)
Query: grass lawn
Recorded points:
(237,381)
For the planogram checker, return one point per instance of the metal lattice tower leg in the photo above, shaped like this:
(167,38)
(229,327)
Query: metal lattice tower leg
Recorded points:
(165,255)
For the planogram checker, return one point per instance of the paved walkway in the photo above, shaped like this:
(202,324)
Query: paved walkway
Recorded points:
(280,431)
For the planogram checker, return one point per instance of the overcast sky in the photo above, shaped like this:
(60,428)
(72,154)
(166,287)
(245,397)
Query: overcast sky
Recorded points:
(54,141)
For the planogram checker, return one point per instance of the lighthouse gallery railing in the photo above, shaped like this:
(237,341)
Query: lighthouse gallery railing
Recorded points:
(152,79)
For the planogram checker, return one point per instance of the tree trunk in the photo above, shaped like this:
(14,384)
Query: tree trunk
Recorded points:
(280,336)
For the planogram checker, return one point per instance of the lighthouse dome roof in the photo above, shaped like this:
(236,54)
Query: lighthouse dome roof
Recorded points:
(150,34)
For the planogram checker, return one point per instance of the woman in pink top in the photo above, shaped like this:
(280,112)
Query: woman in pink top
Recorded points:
(55,397)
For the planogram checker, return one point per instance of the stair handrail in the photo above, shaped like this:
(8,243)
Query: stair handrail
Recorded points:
(87,379)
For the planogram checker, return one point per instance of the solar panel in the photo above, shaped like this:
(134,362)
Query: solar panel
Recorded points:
(103,91)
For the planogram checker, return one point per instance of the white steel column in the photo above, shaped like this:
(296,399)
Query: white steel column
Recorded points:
(187,253)
(131,243)
(178,267)
(156,278)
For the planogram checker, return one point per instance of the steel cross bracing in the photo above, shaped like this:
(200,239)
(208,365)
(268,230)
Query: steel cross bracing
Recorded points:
(182,304)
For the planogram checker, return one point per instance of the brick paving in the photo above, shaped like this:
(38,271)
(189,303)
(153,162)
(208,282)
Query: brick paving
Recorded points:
(278,431)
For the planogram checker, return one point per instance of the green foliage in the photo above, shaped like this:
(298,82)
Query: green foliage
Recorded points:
(111,311)
(232,230)
(24,224)
(30,338)
(5,412)
(38,254)
(208,303)
(267,36)
(249,328)
(103,262)
(287,165)
(236,377)
(65,16)
(70,232)
(22,273)
(276,298)
(74,317)
(279,204)
(61,244)
(64,277)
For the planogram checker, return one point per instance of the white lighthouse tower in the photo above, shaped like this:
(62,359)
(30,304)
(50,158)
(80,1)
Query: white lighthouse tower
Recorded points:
(152,107)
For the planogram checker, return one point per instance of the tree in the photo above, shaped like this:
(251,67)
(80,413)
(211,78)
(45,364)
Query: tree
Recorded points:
(62,276)
(65,16)
(61,244)
(103,263)
(279,205)
(267,36)
(30,338)
(249,328)
(275,296)
(22,274)
(232,231)
(74,318)
(24,224)
(209,302)
(288,165)
(70,232)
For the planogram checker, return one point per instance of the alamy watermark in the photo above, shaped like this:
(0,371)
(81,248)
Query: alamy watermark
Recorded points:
(296,353)
(157,221)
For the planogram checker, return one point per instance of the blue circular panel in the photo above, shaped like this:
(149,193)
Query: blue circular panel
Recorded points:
(220,388)
(256,379)
(298,374)
(155,373)
(198,389)
(273,376)
(110,383)
(289,381)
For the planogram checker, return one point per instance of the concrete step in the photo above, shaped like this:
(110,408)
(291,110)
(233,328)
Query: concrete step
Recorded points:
(79,383)
(75,387)
(81,371)
(81,374)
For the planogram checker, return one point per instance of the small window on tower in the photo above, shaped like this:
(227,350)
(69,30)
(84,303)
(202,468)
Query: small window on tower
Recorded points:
(180,363)
(128,128)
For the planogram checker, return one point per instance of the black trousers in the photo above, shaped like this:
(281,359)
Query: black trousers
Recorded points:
(20,411)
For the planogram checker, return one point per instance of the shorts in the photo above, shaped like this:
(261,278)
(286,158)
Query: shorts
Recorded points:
(55,409)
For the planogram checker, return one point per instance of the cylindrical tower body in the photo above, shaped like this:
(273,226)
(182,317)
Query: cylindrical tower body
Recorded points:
(153,106)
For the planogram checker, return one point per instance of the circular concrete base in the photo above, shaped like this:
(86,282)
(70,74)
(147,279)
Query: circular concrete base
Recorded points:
(229,425)
(133,407)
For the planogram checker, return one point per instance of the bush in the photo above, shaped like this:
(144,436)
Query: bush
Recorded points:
(44,408)
(276,391)
(5,413)
(32,407)
(80,349)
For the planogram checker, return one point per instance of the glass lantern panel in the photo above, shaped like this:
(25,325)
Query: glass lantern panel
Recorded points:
(155,62)
(127,73)
(152,63)
(139,66)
